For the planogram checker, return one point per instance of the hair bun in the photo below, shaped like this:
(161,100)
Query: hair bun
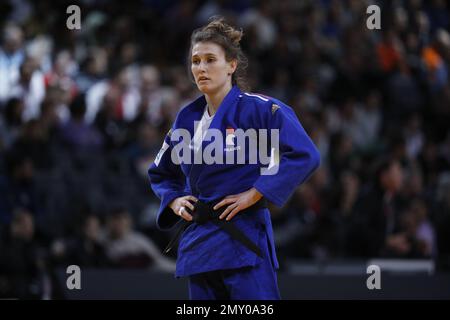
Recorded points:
(219,25)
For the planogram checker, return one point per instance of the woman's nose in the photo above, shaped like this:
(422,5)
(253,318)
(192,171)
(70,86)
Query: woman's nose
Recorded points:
(202,66)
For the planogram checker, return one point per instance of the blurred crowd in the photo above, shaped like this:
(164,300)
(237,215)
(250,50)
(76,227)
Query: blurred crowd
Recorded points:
(84,112)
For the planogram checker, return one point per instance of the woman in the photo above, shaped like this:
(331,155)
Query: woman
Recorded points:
(227,248)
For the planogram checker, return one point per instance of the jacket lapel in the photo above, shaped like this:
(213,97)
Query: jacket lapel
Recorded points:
(221,118)
(194,114)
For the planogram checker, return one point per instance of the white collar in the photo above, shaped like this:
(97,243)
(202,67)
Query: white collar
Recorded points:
(206,114)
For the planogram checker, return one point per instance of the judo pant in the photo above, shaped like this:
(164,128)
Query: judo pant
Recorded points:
(248,283)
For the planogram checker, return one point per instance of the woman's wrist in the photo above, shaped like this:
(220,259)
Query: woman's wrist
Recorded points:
(256,195)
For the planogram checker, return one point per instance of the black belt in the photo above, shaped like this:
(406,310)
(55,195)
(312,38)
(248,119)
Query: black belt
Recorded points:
(204,212)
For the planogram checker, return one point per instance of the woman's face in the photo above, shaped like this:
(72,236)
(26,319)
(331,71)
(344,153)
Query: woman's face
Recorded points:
(209,67)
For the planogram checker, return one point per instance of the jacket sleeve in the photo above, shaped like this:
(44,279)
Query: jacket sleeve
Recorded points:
(296,160)
(167,182)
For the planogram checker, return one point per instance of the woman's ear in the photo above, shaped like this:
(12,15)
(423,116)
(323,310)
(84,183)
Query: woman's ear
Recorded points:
(233,66)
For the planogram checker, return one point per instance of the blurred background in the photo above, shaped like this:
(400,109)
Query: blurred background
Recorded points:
(84,112)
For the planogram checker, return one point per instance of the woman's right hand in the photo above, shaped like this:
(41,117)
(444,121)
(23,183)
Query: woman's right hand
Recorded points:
(179,205)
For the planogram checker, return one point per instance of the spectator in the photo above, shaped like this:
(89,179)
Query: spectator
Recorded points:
(121,92)
(11,57)
(86,249)
(77,134)
(23,260)
(93,69)
(421,231)
(377,214)
(442,222)
(11,123)
(19,188)
(30,88)
(128,248)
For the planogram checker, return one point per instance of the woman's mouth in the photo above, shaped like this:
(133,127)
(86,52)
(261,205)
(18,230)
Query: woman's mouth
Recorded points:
(203,79)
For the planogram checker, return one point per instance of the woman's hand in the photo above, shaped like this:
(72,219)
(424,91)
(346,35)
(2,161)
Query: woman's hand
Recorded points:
(238,202)
(179,205)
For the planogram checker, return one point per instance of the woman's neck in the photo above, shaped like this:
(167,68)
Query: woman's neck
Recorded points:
(215,99)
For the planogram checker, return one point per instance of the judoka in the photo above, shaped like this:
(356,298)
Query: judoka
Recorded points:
(226,244)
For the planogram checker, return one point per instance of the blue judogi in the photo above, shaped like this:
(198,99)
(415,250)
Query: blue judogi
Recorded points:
(207,248)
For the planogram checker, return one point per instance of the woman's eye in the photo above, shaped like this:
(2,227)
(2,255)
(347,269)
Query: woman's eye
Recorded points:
(210,60)
(195,61)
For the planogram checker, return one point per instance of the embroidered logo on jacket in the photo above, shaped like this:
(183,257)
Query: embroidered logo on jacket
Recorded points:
(230,139)
(230,136)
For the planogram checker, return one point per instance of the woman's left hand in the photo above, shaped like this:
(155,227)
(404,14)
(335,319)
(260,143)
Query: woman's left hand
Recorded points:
(238,202)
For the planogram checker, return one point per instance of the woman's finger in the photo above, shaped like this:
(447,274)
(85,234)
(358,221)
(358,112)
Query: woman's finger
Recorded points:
(223,202)
(233,213)
(192,198)
(184,214)
(188,204)
(228,210)
(187,216)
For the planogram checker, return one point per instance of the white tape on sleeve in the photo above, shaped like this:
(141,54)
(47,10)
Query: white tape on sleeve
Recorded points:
(164,147)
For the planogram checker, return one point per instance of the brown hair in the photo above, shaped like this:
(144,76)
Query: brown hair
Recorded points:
(221,33)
